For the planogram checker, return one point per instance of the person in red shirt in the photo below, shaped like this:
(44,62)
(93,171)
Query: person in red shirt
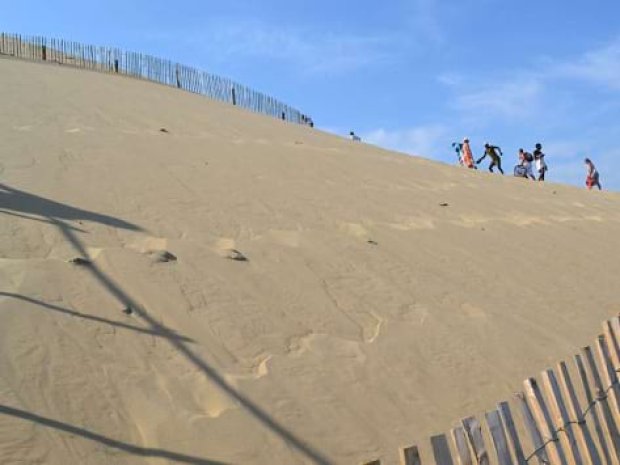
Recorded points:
(592,177)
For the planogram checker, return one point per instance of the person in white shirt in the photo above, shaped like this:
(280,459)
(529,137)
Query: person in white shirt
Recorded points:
(541,165)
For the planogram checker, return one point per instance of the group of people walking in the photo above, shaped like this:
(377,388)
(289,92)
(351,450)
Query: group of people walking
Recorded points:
(527,162)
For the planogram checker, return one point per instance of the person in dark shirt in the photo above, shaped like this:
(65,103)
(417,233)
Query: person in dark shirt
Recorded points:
(592,175)
(494,153)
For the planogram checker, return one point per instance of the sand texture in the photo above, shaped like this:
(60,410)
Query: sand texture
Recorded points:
(248,291)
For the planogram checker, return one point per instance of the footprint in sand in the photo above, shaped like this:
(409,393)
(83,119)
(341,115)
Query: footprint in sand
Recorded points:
(154,247)
(162,256)
(472,311)
(225,248)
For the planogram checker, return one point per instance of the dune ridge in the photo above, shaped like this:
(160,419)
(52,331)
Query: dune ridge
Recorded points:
(365,316)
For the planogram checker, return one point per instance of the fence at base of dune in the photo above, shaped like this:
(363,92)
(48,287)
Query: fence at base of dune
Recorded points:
(138,65)
(571,417)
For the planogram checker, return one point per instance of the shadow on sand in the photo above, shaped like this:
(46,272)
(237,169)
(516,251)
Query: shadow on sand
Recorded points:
(23,204)
(109,442)
(20,203)
(98,319)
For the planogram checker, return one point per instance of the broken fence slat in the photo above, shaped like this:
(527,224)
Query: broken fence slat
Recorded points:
(474,433)
(462,449)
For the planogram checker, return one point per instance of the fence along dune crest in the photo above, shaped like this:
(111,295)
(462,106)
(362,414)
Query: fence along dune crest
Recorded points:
(116,61)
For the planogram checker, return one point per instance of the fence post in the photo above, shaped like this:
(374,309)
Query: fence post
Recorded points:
(234,96)
(473,429)
(410,456)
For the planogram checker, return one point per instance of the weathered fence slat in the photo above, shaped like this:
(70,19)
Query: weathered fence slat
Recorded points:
(460,443)
(410,456)
(561,418)
(532,429)
(615,329)
(511,431)
(595,413)
(498,436)
(472,427)
(602,405)
(441,450)
(582,431)
(543,419)
(612,340)
(609,374)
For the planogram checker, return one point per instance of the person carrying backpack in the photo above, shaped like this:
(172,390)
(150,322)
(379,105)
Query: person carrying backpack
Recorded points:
(525,164)
(494,153)
(539,159)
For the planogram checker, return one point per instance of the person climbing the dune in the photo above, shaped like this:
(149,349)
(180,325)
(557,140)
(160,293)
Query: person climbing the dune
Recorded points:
(494,153)
(592,176)
(525,163)
(541,165)
(467,156)
(458,148)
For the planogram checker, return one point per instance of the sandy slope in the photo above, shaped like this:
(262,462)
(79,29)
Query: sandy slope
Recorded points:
(323,347)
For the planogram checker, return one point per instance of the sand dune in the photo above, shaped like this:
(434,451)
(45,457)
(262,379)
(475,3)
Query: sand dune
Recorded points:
(366,315)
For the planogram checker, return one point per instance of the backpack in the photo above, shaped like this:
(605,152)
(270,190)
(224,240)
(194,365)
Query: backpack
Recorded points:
(528,156)
(520,171)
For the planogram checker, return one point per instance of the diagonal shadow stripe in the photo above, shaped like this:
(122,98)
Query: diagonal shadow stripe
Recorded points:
(109,442)
(118,324)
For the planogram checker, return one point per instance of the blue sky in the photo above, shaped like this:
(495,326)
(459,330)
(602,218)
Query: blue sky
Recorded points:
(411,75)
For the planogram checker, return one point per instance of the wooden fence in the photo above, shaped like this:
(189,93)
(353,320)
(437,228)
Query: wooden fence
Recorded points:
(138,65)
(569,416)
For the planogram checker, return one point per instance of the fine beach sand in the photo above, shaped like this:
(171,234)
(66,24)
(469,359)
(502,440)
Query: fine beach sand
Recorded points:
(366,317)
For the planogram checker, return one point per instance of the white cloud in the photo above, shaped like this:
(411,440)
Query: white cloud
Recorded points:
(600,66)
(525,92)
(421,140)
(308,50)
(512,99)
